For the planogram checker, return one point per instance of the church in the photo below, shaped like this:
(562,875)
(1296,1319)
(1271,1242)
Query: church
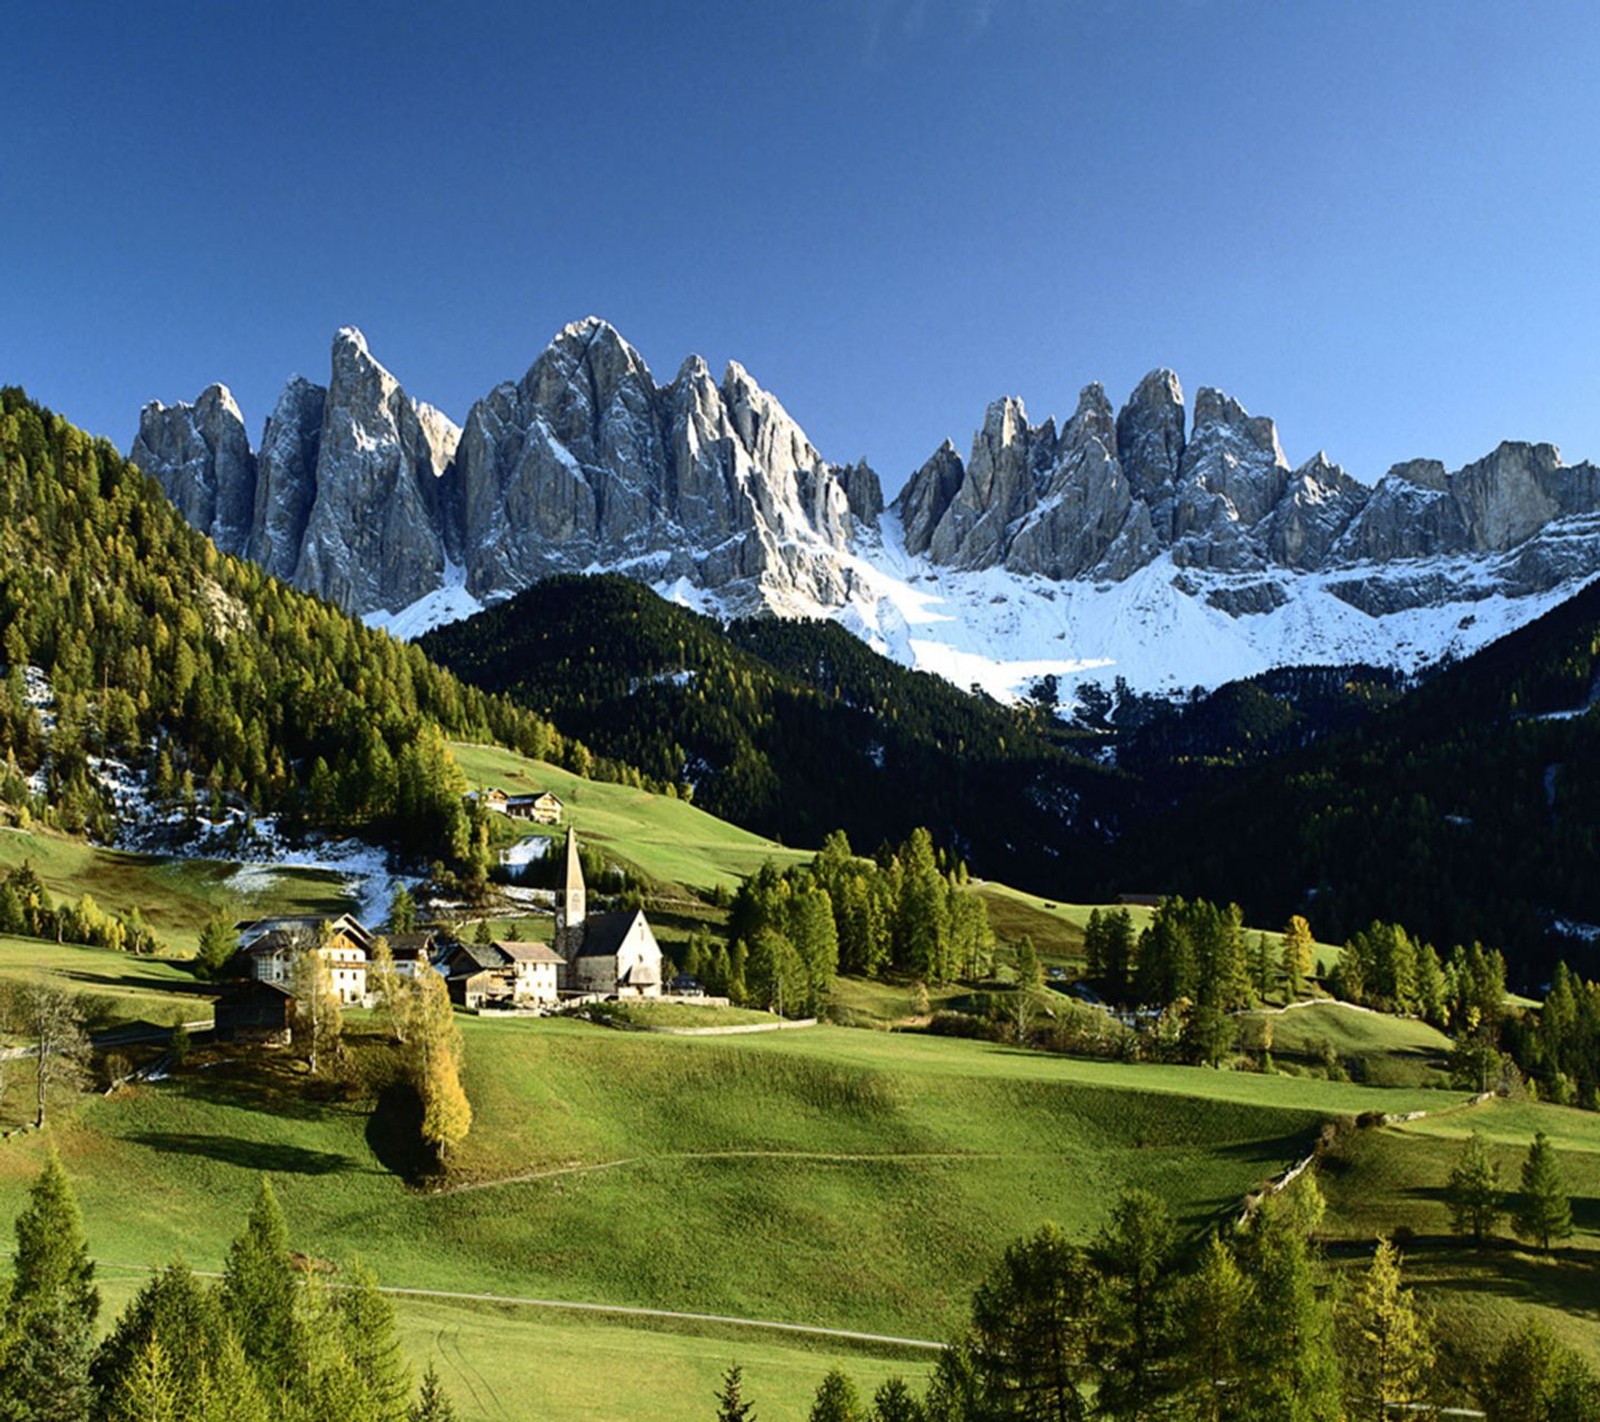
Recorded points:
(612,954)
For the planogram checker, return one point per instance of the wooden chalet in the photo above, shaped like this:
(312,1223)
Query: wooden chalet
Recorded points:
(256,1011)
(268,948)
(543,808)
(506,973)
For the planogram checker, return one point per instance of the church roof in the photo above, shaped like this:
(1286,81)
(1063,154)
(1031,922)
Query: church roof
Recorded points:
(603,932)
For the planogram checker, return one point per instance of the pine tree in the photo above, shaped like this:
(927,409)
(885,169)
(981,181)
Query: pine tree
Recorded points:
(1536,1379)
(1031,1326)
(402,910)
(1387,1353)
(1134,1254)
(433,1403)
(731,1406)
(1544,1213)
(47,1330)
(217,945)
(259,1291)
(149,1389)
(895,1402)
(1297,944)
(1473,1191)
(372,1342)
(836,1400)
(171,1332)
(1214,1307)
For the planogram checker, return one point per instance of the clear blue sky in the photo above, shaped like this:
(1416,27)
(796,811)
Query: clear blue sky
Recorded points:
(1378,222)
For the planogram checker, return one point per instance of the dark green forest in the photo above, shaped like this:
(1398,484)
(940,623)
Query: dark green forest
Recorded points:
(232,688)
(791,729)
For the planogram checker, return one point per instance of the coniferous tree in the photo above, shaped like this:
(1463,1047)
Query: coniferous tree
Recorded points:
(1387,1354)
(836,1400)
(895,1402)
(1473,1191)
(1133,1328)
(433,1403)
(731,1404)
(372,1343)
(217,945)
(1536,1379)
(435,1047)
(47,1328)
(1296,946)
(1031,1323)
(258,1294)
(1543,1213)
(1214,1307)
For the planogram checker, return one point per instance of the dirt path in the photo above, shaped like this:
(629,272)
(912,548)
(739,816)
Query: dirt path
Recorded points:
(821,1157)
(807,1330)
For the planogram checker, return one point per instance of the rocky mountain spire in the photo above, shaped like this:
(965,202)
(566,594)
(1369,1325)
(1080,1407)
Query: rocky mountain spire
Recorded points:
(201,456)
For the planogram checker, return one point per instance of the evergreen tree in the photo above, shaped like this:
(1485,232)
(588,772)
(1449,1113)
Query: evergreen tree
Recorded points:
(217,945)
(1536,1379)
(1473,1191)
(1296,949)
(1133,1336)
(433,1403)
(1214,1308)
(731,1406)
(1119,942)
(258,1294)
(1031,1323)
(372,1343)
(47,1328)
(402,910)
(163,1344)
(836,1400)
(1543,1213)
(1387,1354)
(1094,947)
(895,1402)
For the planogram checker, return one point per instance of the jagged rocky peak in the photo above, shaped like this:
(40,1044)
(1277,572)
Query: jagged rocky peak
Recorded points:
(286,476)
(1150,436)
(927,494)
(200,455)
(375,536)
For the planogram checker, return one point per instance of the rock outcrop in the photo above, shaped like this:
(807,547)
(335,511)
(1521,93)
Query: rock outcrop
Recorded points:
(201,456)
(369,497)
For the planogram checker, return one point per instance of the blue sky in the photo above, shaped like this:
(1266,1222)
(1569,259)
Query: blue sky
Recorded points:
(1376,222)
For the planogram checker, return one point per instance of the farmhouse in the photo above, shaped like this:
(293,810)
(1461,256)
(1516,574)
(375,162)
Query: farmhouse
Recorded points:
(492,798)
(269,947)
(612,954)
(412,952)
(543,808)
(507,972)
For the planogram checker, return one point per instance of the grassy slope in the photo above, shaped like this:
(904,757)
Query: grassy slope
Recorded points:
(176,896)
(853,1179)
(1384,1050)
(670,841)
(1392,1181)
(133,989)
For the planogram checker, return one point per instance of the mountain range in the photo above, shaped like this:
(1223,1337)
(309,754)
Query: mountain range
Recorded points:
(1167,547)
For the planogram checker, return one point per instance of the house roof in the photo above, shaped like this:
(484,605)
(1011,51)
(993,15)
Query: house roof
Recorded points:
(519,951)
(251,929)
(412,945)
(531,797)
(468,958)
(603,932)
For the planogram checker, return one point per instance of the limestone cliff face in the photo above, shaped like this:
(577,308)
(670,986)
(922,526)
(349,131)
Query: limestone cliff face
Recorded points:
(374,499)
(201,456)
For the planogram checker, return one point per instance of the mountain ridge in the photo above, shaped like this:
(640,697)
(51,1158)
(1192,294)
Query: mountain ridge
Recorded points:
(1117,544)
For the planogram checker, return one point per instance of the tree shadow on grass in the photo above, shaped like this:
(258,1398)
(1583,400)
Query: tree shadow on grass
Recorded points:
(394,1133)
(259,1156)
(173,987)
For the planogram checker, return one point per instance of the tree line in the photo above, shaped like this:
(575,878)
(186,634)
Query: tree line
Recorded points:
(908,911)
(265,1344)
(230,688)
(1251,1329)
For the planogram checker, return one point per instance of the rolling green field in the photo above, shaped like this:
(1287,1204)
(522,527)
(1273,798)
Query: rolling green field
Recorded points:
(1378,1049)
(176,896)
(131,989)
(850,1179)
(669,841)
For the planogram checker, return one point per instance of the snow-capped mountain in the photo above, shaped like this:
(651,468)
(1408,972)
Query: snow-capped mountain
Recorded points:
(1139,543)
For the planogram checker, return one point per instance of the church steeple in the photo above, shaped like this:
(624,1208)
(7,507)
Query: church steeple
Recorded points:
(571,902)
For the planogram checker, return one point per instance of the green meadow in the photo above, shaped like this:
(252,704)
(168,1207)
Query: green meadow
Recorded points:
(827,1177)
(666,840)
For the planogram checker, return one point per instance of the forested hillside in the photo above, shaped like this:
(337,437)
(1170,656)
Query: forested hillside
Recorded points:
(1470,809)
(790,729)
(228,686)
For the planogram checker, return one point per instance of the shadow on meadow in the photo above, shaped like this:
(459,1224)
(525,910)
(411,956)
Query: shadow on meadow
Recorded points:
(256,1156)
